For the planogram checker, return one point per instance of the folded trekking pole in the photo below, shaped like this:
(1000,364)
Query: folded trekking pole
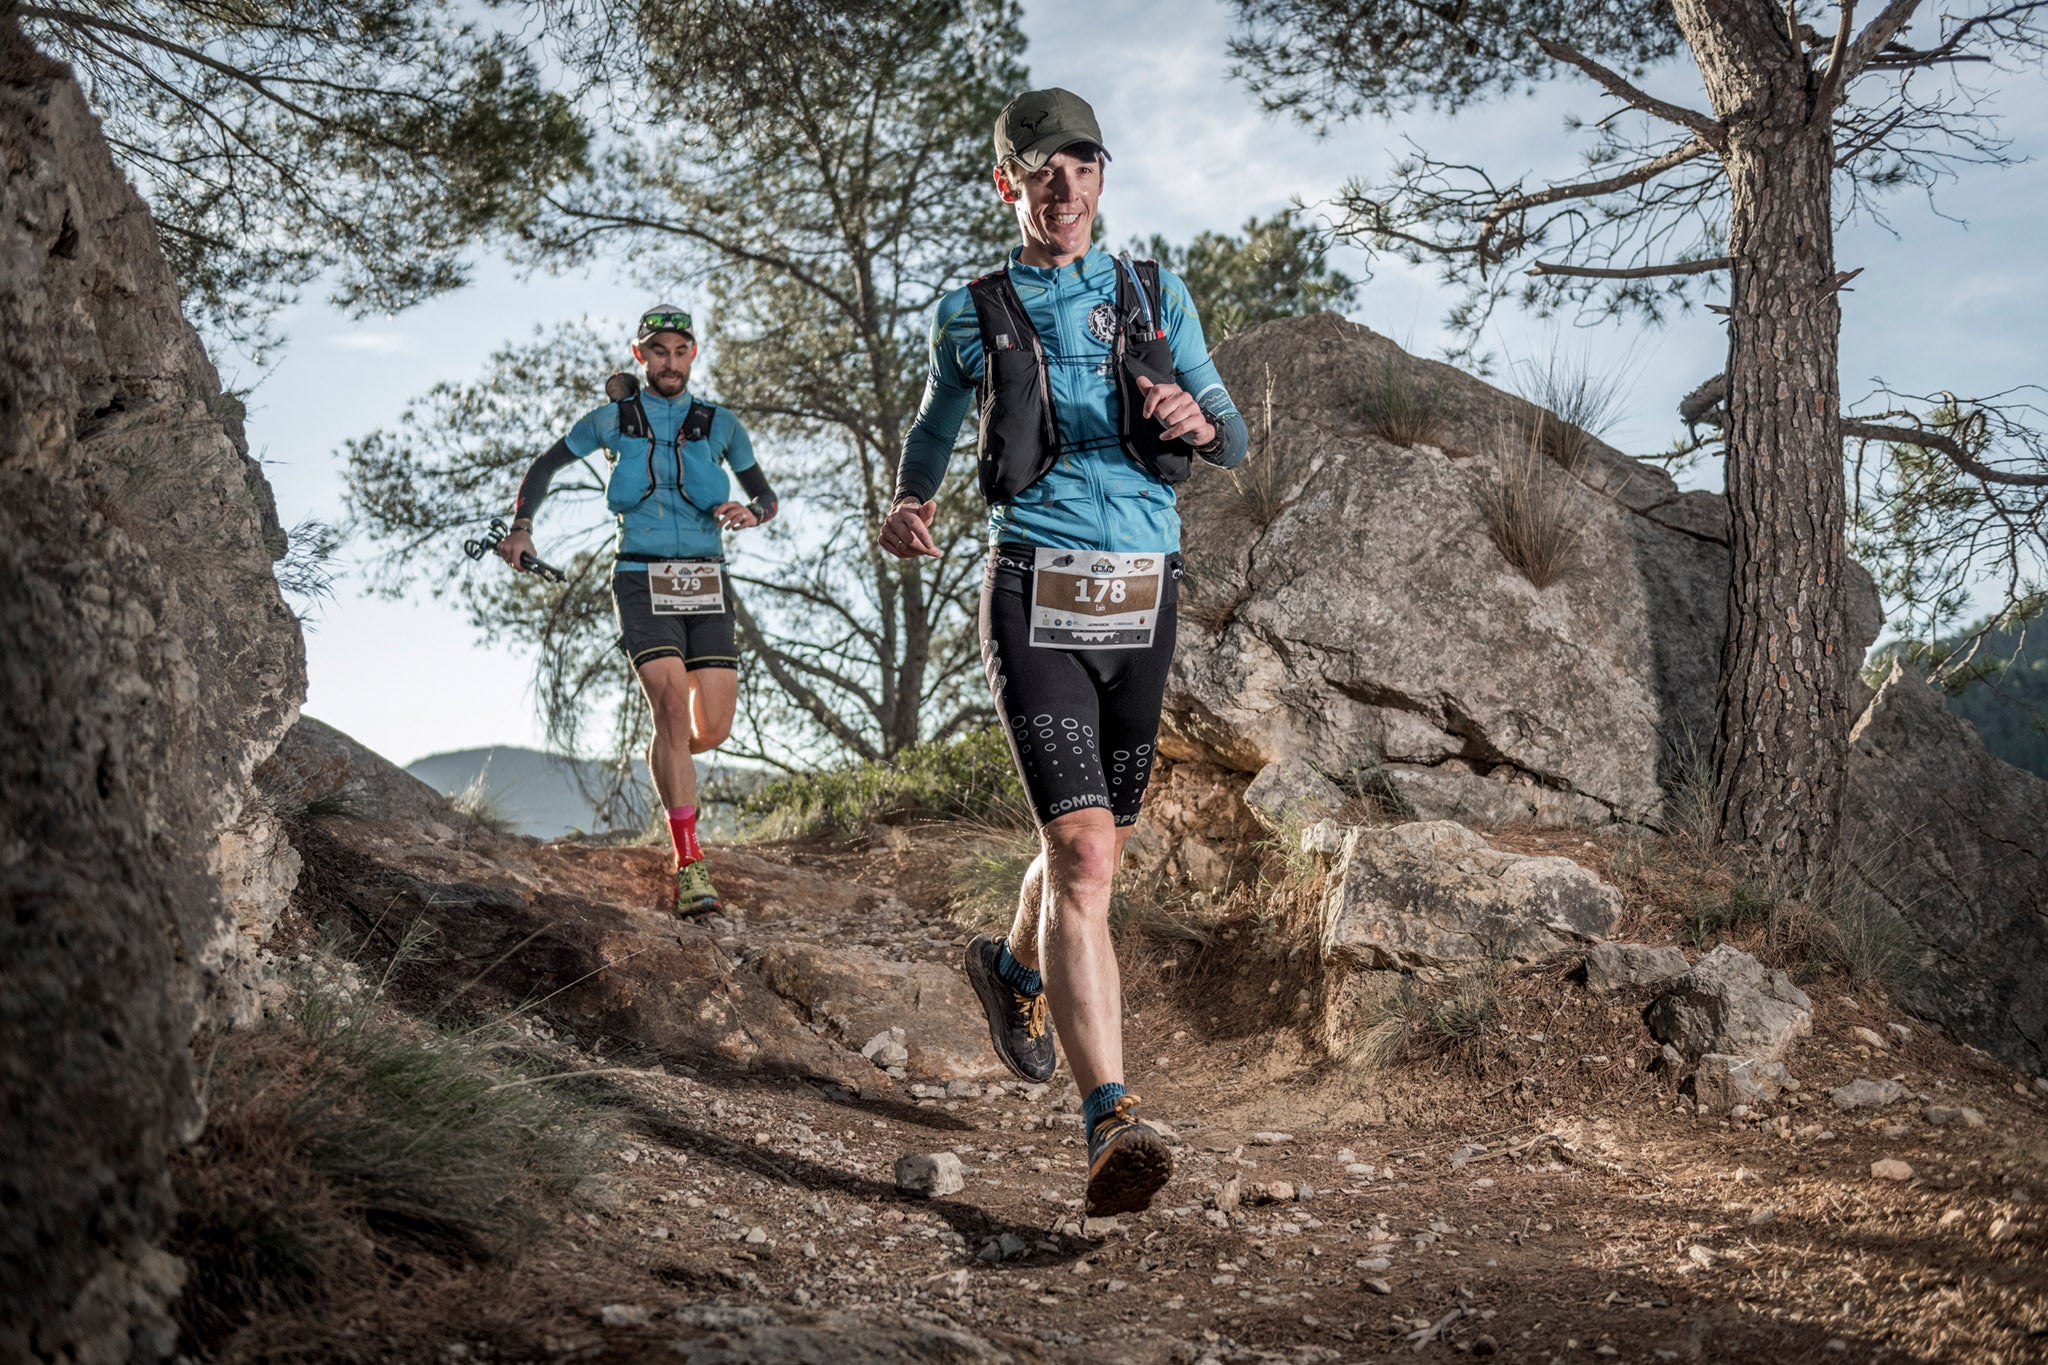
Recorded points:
(488,544)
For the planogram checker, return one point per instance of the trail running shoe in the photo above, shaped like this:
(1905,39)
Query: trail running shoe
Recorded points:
(1127,1162)
(695,896)
(1020,1026)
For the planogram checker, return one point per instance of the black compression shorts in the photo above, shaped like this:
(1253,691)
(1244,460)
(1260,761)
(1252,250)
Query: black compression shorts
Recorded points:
(1083,724)
(704,641)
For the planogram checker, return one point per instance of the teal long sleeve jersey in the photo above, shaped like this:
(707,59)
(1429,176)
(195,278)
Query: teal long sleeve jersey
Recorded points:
(1095,496)
(662,490)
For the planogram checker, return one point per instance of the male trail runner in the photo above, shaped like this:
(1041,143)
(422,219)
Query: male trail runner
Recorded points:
(1094,385)
(675,622)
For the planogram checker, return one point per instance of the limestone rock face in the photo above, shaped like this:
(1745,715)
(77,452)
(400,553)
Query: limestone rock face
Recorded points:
(852,992)
(1953,844)
(1346,604)
(1732,1004)
(1722,1081)
(1291,792)
(1615,967)
(150,666)
(1432,896)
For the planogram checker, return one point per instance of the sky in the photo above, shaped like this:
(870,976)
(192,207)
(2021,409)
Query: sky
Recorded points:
(1954,301)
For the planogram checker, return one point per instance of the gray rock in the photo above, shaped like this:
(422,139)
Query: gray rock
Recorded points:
(1290,792)
(1962,882)
(929,1174)
(1615,967)
(1723,1083)
(1867,1094)
(1432,897)
(1731,1003)
(1416,653)
(151,665)
(886,1049)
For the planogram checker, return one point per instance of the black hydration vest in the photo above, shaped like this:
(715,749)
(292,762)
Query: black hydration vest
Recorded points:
(1020,432)
(624,389)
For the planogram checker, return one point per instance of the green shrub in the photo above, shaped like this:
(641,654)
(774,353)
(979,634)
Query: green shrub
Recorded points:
(966,779)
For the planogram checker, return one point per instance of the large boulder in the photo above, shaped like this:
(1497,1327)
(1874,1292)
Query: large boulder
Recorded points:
(1434,898)
(1345,602)
(150,666)
(1730,1003)
(1952,844)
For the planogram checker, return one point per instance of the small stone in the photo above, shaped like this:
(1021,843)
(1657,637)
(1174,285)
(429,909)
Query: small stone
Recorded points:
(1095,1229)
(1836,1346)
(1377,1287)
(1270,1139)
(1869,1036)
(1940,1115)
(1891,1168)
(963,1090)
(956,1284)
(929,1175)
(623,1315)
(1900,1032)
(1359,1168)
(1373,1265)
(756,1236)
(1971,1118)
(1867,1094)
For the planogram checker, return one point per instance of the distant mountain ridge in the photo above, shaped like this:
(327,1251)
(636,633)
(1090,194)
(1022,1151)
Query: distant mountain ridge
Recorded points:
(548,795)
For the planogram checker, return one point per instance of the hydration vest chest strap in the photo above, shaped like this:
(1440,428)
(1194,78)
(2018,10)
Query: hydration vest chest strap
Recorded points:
(1142,349)
(1019,426)
(1019,431)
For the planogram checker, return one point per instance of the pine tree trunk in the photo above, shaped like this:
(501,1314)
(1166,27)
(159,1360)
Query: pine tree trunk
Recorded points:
(1782,714)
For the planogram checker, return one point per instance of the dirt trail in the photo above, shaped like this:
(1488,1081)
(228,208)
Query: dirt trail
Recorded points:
(1557,1202)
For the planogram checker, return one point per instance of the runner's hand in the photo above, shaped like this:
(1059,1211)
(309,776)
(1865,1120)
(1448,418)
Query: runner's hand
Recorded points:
(512,547)
(908,531)
(1177,411)
(735,516)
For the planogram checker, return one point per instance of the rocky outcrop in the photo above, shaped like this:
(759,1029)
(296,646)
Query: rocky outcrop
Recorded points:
(582,935)
(151,665)
(1346,604)
(1612,968)
(1949,843)
(1432,898)
(1729,1003)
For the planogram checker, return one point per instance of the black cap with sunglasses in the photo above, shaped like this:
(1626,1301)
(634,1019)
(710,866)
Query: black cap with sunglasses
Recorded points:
(663,317)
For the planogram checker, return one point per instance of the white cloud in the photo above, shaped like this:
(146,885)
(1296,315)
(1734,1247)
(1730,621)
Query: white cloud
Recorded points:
(376,343)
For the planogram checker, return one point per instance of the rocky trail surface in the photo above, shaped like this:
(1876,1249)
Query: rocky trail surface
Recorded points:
(1554,1200)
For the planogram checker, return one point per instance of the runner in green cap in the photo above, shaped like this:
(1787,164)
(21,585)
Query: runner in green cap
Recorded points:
(673,504)
(1094,387)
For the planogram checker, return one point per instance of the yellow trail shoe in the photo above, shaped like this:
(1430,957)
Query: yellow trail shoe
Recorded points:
(695,895)
(1127,1162)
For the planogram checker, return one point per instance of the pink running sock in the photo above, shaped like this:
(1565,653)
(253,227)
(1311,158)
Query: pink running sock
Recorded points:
(682,827)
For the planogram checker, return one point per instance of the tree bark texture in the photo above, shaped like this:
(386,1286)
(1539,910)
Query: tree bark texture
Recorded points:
(1782,713)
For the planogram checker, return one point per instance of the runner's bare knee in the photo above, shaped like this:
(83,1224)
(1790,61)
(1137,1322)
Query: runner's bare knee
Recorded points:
(1080,851)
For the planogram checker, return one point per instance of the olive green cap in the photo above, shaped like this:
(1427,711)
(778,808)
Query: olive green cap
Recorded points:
(1034,126)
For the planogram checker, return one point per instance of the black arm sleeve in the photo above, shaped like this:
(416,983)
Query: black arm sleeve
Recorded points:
(756,485)
(533,489)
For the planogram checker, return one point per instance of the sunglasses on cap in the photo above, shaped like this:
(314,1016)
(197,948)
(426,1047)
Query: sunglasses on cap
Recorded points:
(650,323)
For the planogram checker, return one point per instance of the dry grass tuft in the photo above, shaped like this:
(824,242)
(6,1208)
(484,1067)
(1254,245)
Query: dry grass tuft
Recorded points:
(347,1144)
(1529,506)
(1582,403)
(1401,407)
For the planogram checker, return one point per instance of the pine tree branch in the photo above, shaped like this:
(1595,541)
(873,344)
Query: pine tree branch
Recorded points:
(1881,30)
(1587,189)
(1708,130)
(1639,272)
(1831,83)
(1957,453)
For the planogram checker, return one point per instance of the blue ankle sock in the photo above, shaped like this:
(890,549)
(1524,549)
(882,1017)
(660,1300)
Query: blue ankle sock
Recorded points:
(1014,974)
(1101,1102)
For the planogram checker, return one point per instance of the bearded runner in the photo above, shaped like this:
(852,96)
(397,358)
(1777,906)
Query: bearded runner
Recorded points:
(672,502)
(1094,387)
